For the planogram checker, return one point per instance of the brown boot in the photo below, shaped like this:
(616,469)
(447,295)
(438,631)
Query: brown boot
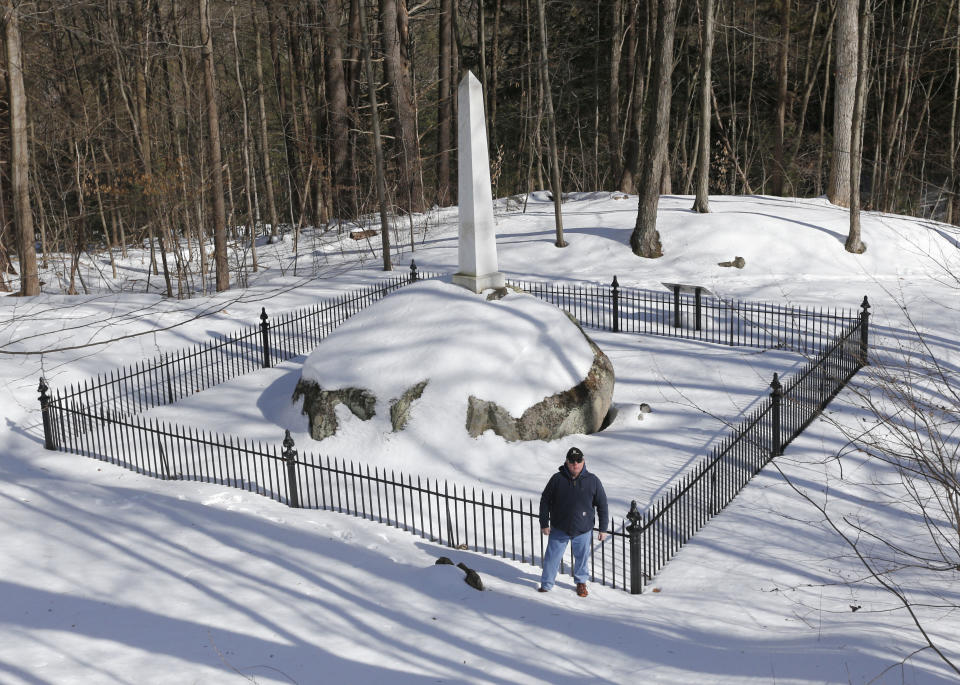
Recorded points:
(582,590)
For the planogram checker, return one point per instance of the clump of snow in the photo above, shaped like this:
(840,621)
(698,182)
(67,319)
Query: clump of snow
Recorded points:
(514,351)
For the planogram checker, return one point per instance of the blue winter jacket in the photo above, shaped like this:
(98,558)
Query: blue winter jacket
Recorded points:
(567,503)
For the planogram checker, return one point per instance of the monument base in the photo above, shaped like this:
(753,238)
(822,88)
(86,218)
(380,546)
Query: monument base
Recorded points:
(478,284)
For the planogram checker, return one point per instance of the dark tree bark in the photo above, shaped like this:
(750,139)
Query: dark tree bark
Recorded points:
(445,104)
(264,137)
(377,142)
(613,99)
(838,190)
(216,171)
(339,124)
(702,201)
(854,243)
(396,67)
(19,159)
(551,128)
(779,161)
(645,239)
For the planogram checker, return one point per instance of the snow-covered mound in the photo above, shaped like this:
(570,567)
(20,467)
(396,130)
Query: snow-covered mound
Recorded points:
(514,351)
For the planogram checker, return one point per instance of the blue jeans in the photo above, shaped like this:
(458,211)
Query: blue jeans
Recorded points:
(556,546)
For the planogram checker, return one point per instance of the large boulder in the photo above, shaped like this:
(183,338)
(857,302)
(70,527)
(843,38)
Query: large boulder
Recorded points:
(435,356)
(580,410)
(319,405)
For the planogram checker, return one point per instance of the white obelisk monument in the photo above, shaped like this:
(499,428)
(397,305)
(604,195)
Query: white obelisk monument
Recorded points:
(478,237)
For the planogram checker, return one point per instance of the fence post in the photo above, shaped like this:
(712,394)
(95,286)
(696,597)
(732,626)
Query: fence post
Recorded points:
(265,338)
(676,306)
(289,458)
(697,293)
(776,395)
(413,271)
(45,411)
(166,365)
(616,305)
(636,586)
(864,330)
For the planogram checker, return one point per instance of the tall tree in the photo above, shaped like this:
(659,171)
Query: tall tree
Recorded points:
(394,38)
(854,243)
(216,170)
(377,142)
(779,159)
(613,91)
(19,159)
(264,135)
(551,128)
(445,103)
(702,201)
(845,36)
(645,239)
(339,123)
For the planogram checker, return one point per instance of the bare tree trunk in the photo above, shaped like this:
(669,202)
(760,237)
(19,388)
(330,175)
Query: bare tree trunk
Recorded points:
(19,159)
(377,142)
(494,71)
(247,180)
(779,160)
(264,138)
(445,103)
(146,137)
(645,239)
(213,124)
(396,68)
(637,68)
(952,199)
(854,243)
(339,112)
(551,128)
(838,190)
(613,99)
(321,192)
(702,201)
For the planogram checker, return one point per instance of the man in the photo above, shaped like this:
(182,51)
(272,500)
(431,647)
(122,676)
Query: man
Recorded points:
(567,515)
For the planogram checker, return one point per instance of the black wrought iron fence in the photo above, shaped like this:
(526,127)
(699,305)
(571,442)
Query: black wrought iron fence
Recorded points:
(696,316)
(447,513)
(98,419)
(172,376)
(657,534)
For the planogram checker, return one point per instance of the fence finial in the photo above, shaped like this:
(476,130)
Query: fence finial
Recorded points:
(634,516)
(288,451)
(865,305)
(775,385)
(413,270)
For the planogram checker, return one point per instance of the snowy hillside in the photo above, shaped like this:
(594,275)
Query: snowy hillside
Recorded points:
(108,576)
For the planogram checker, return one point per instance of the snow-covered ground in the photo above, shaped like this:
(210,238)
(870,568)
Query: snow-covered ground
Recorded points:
(108,576)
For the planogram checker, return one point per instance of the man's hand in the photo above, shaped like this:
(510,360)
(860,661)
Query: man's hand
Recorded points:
(601,536)
(545,531)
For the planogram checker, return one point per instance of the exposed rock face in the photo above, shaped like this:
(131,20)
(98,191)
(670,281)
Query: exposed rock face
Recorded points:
(579,410)
(400,408)
(319,404)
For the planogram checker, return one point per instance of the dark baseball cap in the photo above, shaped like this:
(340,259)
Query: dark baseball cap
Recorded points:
(574,455)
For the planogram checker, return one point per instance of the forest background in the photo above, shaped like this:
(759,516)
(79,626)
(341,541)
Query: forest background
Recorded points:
(170,122)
